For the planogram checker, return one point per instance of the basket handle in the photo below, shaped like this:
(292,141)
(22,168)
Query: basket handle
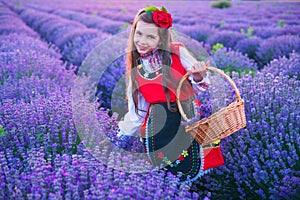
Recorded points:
(237,93)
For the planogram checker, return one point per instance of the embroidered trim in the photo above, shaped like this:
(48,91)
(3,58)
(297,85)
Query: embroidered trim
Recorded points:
(204,85)
(147,136)
(152,53)
(148,75)
(201,172)
(180,158)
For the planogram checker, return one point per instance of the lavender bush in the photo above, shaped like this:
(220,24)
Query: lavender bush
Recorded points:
(108,84)
(15,24)
(268,32)
(230,60)
(290,30)
(285,66)
(264,31)
(76,52)
(57,28)
(198,32)
(228,38)
(91,21)
(35,19)
(18,42)
(73,39)
(234,26)
(248,46)
(23,56)
(187,20)
(277,46)
(118,14)
(78,42)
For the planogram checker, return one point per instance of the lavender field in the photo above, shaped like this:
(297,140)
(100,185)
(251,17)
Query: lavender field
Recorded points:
(43,44)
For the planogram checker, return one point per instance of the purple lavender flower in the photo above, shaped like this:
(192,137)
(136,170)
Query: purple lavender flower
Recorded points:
(230,60)
(91,21)
(228,38)
(284,66)
(276,47)
(199,32)
(248,46)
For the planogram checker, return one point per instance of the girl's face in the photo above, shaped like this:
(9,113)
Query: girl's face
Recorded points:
(146,37)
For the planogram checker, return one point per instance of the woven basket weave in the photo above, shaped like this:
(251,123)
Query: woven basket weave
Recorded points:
(220,124)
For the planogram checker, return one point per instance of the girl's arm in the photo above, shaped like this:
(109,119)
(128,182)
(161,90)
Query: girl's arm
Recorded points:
(132,122)
(188,61)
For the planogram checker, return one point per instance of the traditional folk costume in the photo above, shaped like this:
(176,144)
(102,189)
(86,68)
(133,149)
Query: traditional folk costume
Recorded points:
(165,140)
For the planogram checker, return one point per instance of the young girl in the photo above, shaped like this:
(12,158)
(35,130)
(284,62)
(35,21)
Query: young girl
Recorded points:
(155,65)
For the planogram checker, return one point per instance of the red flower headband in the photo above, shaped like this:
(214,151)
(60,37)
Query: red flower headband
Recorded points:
(161,17)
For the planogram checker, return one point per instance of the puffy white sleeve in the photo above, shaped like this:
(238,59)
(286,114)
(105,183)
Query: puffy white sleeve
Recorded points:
(132,121)
(188,61)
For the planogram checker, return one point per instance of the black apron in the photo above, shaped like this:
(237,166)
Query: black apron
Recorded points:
(169,146)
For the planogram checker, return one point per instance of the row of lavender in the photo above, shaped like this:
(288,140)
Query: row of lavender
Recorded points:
(237,176)
(266,32)
(40,150)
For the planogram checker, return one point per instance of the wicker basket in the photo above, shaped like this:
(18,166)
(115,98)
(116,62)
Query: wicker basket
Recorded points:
(220,124)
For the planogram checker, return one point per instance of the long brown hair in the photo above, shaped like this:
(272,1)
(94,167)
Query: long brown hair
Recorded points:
(164,50)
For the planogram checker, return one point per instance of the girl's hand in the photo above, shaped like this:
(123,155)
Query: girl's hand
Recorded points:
(199,70)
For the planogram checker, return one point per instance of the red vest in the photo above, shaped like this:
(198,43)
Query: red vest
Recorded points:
(152,88)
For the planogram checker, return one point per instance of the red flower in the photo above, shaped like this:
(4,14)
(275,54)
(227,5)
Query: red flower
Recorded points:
(162,18)
(180,157)
(160,155)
